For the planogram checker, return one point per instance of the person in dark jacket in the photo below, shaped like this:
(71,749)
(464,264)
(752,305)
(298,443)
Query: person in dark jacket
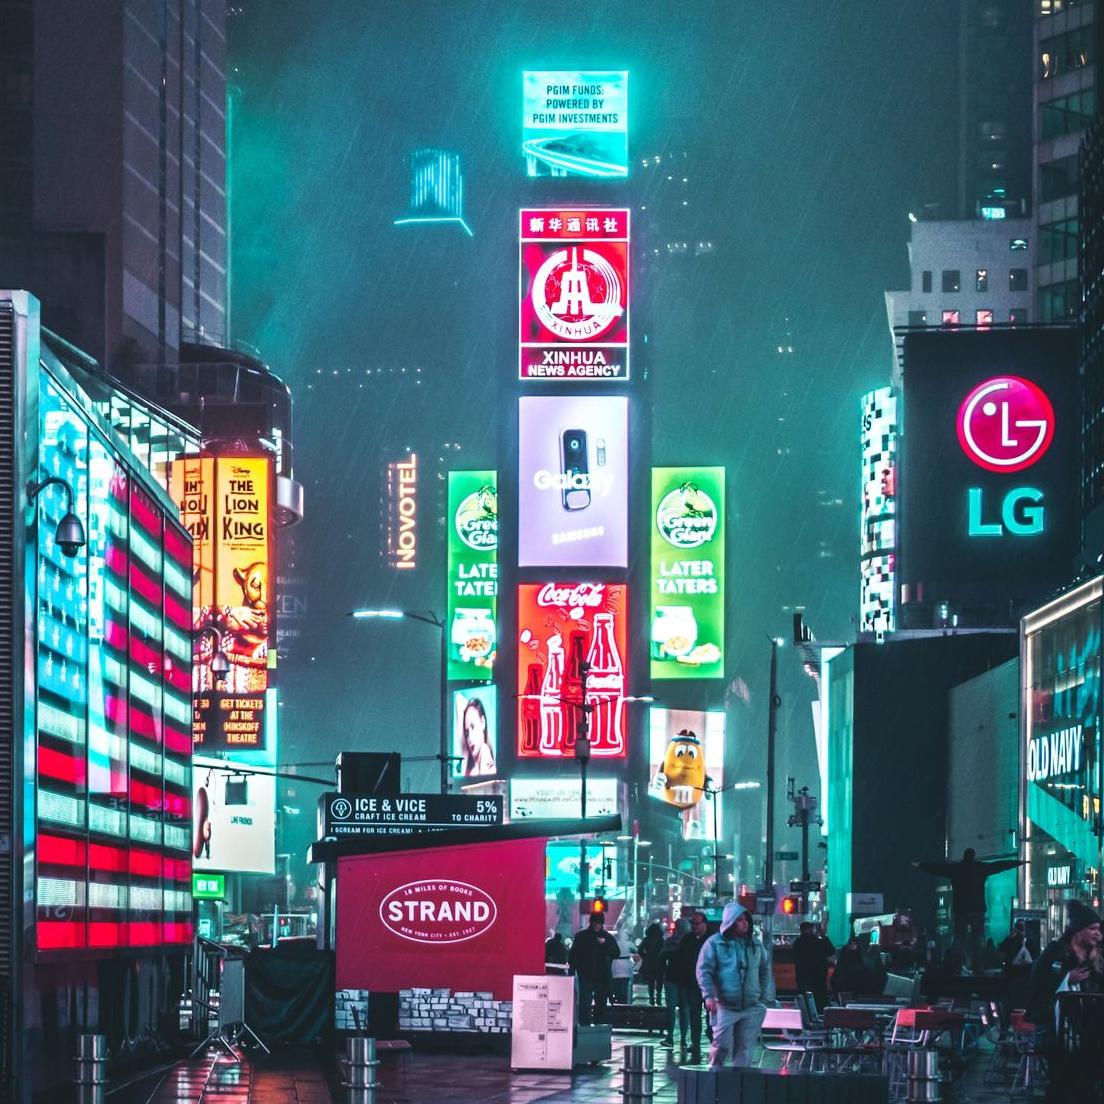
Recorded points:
(651,946)
(858,970)
(1073,962)
(555,950)
(672,999)
(813,951)
(684,965)
(591,957)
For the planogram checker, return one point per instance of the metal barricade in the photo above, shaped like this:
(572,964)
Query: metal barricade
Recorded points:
(358,1070)
(638,1073)
(90,1072)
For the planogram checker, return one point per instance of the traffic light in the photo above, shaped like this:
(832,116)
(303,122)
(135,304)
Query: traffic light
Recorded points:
(597,907)
(791,905)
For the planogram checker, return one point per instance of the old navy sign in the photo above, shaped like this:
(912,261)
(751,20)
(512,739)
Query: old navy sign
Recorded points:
(1055,754)
(1005,425)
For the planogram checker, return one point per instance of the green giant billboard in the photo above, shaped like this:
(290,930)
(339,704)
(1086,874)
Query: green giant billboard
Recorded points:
(687,603)
(472,574)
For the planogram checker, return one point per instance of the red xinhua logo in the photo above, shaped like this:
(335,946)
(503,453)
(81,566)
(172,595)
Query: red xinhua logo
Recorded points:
(1005,424)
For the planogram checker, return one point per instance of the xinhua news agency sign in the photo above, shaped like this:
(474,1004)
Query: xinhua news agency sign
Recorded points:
(353,815)
(687,593)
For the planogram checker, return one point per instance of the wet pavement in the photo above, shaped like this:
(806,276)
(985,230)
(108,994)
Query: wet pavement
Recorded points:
(299,1077)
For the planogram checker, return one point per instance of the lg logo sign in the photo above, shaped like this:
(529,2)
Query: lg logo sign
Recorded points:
(1006,424)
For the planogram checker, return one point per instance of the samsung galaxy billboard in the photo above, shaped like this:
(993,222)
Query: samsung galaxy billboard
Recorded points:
(573,481)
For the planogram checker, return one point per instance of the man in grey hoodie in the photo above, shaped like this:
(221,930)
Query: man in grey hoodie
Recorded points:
(734,972)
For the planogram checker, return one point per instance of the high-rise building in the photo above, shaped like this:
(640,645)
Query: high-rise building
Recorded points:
(994,109)
(113,172)
(1067,49)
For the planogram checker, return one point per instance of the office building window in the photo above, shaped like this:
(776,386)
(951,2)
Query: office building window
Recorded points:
(1066,52)
(983,319)
(925,280)
(950,318)
(917,318)
(1058,179)
(1058,241)
(1066,115)
(1015,244)
(1058,302)
(1018,316)
(1017,279)
(952,279)
(981,280)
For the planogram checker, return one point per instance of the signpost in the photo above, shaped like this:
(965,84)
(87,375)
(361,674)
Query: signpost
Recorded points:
(401,814)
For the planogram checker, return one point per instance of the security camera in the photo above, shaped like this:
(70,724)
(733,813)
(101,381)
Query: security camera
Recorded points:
(69,534)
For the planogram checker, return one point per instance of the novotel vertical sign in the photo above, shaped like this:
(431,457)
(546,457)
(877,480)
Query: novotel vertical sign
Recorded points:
(402,514)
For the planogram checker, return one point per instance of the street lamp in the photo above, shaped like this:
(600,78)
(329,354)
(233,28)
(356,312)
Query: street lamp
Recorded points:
(427,617)
(69,534)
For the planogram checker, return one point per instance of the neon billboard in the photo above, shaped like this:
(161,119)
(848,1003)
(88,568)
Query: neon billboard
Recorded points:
(688,567)
(474,732)
(878,580)
(574,294)
(576,123)
(686,750)
(472,574)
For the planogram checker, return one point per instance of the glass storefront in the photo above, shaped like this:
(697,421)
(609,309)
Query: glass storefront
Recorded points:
(1061,775)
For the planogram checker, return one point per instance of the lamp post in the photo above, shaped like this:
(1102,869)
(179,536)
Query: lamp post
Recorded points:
(427,617)
(772,734)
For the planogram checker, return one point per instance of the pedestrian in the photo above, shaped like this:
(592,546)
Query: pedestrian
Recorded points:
(734,973)
(651,946)
(683,971)
(622,968)
(555,950)
(1073,962)
(813,951)
(592,954)
(1018,949)
(672,1001)
(856,972)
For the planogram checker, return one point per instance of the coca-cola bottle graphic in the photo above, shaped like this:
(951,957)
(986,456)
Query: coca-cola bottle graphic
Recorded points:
(605,685)
(531,711)
(572,692)
(551,708)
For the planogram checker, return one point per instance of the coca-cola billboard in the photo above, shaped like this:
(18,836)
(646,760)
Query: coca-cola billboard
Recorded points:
(565,629)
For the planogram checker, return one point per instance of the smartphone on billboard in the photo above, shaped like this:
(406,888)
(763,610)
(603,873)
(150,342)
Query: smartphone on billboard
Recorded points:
(573,464)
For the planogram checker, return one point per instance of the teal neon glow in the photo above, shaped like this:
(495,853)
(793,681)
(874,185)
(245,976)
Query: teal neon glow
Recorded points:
(1022,513)
(436,219)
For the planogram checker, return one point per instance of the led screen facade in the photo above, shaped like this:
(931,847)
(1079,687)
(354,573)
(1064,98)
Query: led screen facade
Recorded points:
(988,476)
(472,574)
(560,627)
(686,750)
(574,294)
(226,503)
(576,123)
(573,468)
(234,828)
(475,732)
(878,577)
(112,758)
(688,555)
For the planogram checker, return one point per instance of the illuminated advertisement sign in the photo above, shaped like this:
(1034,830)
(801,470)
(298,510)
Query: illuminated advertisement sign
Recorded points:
(234,818)
(987,509)
(472,574)
(401,534)
(474,728)
(688,545)
(110,744)
(574,294)
(226,502)
(559,798)
(561,627)
(878,599)
(573,464)
(686,756)
(562,860)
(576,123)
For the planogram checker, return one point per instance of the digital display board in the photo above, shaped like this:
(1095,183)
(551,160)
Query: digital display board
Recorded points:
(111,764)
(688,565)
(573,465)
(878,598)
(561,626)
(472,574)
(574,294)
(474,732)
(562,860)
(234,829)
(226,503)
(989,464)
(559,798)
(686,750)
(576,123)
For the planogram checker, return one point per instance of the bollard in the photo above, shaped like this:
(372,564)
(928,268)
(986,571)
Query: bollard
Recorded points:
(90,1075)
(360,1070)
(638,1073)
(924,1086)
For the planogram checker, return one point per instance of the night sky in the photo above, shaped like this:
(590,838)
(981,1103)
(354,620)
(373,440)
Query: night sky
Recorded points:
(808,131)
